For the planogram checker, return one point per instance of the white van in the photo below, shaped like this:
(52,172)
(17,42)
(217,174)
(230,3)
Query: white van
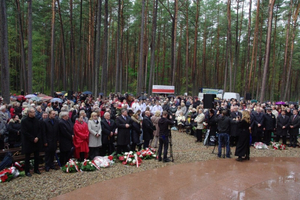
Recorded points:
(231,95)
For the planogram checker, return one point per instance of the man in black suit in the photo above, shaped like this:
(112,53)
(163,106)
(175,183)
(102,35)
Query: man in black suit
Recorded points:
(164,134)
(65,135)
(257,120)
(50,137)
(283,123)
(269,125)
(124,123)
(31,137)
(233,126)
(148,129)
(294,128)
(108,132)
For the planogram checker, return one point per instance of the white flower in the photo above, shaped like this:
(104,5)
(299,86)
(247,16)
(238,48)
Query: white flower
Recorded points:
(134,161)
(154,155)
(126,153)
(129,159)
(130,152)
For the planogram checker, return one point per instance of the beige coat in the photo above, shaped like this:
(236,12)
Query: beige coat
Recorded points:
(179,119)
(94,129)
(200,119)
(154,120)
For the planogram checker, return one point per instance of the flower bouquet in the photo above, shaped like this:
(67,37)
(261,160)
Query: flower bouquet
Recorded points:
(19,165)
(277,146)
(130,158)
(147,153)
(87,165)
(71,166)
(103,162)
(260,145)
(8,174)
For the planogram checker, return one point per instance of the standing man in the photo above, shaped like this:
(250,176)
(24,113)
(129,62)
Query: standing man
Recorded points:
(294,128)
(108,133)
(257,121)
(156,108)
(148,129)
(234,131)
(164,133)
(124,123)
(283,123)
(65,136)
(269,125)
(50,137)
(224,128)
(30,129)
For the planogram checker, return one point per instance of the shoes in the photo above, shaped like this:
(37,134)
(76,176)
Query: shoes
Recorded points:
(37,172)
(228,157)
(289,145)
(47,169)
(28,174)
(239,159)
(167,160)
(246,158)
(159,159)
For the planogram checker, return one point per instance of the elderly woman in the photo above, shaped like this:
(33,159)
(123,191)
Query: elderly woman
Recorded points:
(95,130)
(81,139)
(82,113)
(180,121)
(199,120)
(14,129)
(155,120)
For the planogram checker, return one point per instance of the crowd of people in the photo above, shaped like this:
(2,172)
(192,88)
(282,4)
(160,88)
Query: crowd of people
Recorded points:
(86,127)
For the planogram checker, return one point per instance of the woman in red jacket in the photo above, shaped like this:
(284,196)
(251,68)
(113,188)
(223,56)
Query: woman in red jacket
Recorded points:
(81,139)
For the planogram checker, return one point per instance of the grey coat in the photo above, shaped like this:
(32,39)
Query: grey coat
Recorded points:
(94,129)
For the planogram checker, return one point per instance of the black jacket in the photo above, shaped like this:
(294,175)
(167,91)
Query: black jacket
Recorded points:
(13,128)
(148,129)
(282,122)
(223,124)
(163,125)
(65,132)
(123,132)
(30,128)
(106,130)
(50,134)
(234,130)
(269,122)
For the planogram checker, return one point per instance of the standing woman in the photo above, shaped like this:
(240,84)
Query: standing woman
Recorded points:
(199,120)
(243,146)
(95,131)
(155,120)
(14,129)
(81,139)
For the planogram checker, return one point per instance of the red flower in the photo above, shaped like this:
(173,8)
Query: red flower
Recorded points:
(66,165)
(110,157)
(131,156)
(121,158)
(84,164)
(138,153)
(71,165)
(124,163)
(4,178)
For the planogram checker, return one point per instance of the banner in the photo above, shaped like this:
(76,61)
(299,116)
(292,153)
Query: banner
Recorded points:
(164,89)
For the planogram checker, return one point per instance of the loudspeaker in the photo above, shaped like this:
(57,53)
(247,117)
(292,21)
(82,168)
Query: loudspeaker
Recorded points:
(208,100)
(70,95)
(248,96)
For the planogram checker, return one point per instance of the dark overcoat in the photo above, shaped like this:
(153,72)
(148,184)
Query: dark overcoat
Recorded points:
(282,122)
(123,132)
(234,130)
(30,129)
(148,129)
(65,132)
(295,122)
(50,134)
(106,130)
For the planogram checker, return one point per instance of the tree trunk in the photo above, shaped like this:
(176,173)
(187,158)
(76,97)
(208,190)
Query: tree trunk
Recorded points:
(248,51)
(5,84)
(152,64)
(229,43)
(141,59)
(98,51)
(105,46)
(195,51)
(23,61)
(236,45)
(174,35)
(204,75)
(254,51)
(52,47)
(295,17)
(218,50)
(29,67)
(187,47)
(284,74)
(63,48)
(117,82)
(272,85)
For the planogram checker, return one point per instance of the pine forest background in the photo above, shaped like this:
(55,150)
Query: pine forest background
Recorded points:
(244,46)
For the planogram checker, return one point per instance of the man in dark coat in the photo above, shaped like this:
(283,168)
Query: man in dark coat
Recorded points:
(31,137)
(50,137)
(148,129)
(234,131)
(65,137)
(108,132)
(294,128)
(257,120)
(164,133)
(283,123)
(269,125)
(124,123)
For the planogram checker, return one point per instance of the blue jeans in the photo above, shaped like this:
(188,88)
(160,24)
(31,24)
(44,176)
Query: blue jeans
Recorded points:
(224,137)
